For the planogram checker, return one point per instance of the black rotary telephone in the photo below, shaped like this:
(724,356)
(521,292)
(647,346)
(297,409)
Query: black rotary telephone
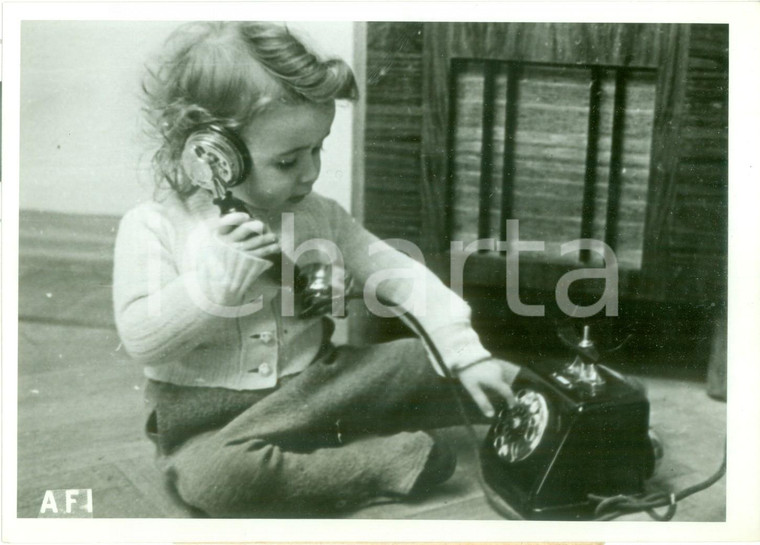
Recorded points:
(577,429)
(216,159)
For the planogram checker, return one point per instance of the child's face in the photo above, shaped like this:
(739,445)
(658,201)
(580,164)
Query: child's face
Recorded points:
(285,144)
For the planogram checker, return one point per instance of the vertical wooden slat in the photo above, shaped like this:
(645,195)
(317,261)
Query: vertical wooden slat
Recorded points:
(686,242)
(358,123)
(436,88)
(448,221)
(510,127)
(592,153)
(486,151)
(392,128)
(666,141)
(616,163)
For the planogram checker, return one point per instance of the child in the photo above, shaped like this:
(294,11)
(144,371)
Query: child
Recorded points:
(253,409)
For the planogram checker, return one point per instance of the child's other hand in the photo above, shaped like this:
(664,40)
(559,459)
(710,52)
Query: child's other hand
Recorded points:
(249,235)
(490,376)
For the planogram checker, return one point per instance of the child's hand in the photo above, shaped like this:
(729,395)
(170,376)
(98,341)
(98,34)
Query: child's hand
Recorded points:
(492,375)
(249,235)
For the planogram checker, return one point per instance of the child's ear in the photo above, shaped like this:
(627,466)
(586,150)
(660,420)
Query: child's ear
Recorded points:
(213,155)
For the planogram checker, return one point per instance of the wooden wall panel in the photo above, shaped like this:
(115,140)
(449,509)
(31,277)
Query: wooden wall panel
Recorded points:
(686,259)
(393,195)
(683,199)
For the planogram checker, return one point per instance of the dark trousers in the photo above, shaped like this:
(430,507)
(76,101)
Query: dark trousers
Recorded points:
(341,434)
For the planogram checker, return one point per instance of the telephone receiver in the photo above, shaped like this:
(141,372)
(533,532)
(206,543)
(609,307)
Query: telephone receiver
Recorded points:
(577,429)
(216,159)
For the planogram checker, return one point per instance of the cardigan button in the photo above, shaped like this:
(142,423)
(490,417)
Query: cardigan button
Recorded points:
(265,369)
(266,337)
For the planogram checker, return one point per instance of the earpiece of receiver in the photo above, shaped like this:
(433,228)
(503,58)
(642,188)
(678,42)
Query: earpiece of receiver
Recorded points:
(215,158)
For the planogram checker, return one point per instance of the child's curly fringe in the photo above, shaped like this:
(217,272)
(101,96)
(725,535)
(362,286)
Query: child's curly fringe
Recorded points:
(227,73)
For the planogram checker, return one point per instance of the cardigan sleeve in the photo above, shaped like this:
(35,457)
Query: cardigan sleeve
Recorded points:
(387,274)
(162,313)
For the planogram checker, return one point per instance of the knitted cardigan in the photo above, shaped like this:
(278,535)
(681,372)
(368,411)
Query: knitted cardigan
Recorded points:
(198,312)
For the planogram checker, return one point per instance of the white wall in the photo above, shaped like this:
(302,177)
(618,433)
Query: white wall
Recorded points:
(82,147)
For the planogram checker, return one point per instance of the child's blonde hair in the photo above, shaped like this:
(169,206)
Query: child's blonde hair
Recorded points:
(226,73)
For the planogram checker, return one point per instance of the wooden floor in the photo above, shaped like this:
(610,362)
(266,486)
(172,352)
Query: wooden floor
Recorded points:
(80,418)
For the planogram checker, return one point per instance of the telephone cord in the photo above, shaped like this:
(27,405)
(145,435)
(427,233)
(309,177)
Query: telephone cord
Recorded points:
(612,507)
(496,502)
